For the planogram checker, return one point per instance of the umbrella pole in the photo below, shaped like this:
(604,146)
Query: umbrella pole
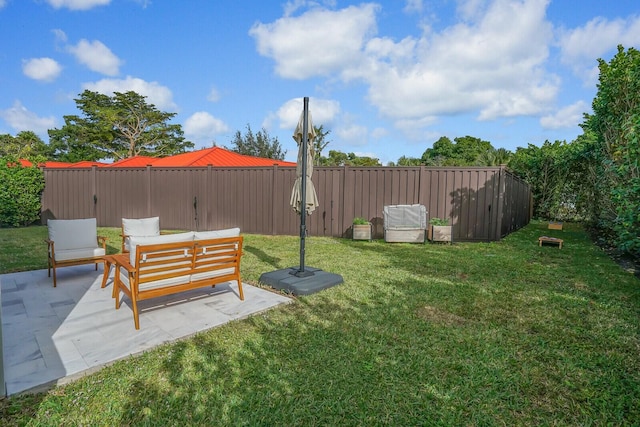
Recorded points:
(303,202)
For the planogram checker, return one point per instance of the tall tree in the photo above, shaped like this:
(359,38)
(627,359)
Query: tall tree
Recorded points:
(320,143)
(116,127)
(25,144)
(259,145)
(494,157)
(464,151)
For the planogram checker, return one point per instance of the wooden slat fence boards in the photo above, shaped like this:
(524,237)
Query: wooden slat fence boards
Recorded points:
(482,204)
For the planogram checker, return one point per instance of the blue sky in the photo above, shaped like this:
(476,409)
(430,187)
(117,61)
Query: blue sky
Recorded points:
(387,78)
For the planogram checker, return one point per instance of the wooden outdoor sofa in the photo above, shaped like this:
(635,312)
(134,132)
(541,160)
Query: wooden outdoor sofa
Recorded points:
(172,263)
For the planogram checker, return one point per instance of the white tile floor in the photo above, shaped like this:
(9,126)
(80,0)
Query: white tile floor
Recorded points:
(53,335)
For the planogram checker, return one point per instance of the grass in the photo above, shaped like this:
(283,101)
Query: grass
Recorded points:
(503,333)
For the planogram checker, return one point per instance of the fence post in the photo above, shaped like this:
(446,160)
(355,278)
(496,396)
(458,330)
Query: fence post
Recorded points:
(274,179)
(500,212)
(148,190)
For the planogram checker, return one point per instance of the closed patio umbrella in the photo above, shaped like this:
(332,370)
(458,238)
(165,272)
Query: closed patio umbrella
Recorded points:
(310,196)
(304,193)
(300,280)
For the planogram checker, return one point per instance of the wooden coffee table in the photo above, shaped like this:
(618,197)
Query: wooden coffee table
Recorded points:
(108,261)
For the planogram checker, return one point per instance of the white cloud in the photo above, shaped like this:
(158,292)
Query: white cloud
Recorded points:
(77,4)
(567,117)
(20,119)
(492,62)
(202,125)
(352,133)
(323,112)
(580,46)
(214,95)
(43,69)
(378,133)
(96,56)
(412,6)
(3,3)
(317,43)
(156,94)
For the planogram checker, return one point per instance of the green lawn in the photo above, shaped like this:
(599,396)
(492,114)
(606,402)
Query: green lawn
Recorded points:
(503,333)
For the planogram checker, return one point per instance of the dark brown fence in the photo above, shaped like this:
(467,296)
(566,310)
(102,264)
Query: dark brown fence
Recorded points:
(483,204)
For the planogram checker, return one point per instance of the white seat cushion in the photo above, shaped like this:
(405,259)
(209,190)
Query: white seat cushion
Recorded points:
(211,274)
(217,234)
(70,254)
(73,233)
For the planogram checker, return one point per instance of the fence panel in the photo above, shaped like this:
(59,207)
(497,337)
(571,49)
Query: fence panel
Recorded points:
(482,203)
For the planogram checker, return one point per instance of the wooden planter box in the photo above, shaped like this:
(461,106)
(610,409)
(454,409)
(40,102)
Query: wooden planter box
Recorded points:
(361,231)
(441,233)
(404,235)
(555,225)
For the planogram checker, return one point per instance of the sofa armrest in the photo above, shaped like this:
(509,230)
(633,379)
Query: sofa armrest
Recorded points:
(122,260)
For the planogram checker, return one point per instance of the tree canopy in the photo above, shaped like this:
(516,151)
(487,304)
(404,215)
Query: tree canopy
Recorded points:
(258,145)
(116,127)
(465,151)
(338,158)
(24,145)
(320,143)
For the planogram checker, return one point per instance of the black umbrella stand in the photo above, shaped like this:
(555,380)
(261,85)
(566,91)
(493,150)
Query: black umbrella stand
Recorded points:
(302,280)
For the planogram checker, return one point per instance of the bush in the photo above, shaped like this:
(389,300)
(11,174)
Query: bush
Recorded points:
(360,221)
(19,193)
(438,221)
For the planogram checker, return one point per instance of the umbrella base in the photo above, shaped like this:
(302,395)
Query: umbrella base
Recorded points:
(291,280)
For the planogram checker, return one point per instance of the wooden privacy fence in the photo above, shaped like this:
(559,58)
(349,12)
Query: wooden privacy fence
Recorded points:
(483,204)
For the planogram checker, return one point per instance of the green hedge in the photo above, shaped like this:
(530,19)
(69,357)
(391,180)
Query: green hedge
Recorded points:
(20,191)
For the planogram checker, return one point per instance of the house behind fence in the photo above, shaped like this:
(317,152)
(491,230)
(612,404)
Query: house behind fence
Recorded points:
(482,204)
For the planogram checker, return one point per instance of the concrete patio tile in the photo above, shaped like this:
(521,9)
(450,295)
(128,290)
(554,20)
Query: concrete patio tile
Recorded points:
(54,335)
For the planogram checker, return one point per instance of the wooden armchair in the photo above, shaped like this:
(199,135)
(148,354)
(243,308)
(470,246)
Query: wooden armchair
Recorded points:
(74,242)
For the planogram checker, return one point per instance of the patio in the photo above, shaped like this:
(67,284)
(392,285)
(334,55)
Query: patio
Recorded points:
(54,335)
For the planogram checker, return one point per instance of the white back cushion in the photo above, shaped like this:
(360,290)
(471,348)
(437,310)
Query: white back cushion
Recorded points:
(141,226)
(73,233)
(217,234)
(156,240)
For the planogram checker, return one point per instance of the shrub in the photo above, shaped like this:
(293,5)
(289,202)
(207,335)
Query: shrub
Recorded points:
(360,221)
(439,221)
(19,193)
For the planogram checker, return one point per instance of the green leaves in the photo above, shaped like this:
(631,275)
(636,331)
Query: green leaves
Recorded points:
(20,192)
(116,127)
(258,145)
(615,152)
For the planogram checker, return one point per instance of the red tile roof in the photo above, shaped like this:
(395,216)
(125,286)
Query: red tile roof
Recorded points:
(87,164)
(133,162)
(217,157)
(47,164)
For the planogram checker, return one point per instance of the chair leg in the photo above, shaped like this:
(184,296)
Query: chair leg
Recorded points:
(240,290)
(136,318)
(54,276)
